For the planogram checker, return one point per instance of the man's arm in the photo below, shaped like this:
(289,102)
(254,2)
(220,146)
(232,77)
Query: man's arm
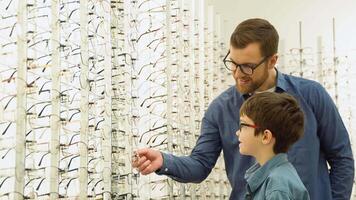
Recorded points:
(196,167)
(335,143)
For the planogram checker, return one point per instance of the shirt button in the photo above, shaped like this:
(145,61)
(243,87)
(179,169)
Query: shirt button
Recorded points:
(166,169)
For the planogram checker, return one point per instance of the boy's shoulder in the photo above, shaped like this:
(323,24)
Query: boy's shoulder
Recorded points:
(284,178)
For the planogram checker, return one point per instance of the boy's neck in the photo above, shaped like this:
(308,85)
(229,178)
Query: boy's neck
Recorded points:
(265,156)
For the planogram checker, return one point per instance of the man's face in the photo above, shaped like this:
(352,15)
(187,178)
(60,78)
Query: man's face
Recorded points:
(249,55)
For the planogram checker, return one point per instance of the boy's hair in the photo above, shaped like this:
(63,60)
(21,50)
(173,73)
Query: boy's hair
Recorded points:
(277,112)
(256,30)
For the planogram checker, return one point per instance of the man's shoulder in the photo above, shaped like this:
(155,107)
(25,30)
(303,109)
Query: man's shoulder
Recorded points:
(228,95)
(300,80)
(302,84)
(224,101)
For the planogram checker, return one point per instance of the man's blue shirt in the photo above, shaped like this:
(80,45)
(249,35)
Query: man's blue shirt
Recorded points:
(325,141)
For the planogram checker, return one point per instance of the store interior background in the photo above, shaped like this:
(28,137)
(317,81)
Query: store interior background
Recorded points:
(151,75)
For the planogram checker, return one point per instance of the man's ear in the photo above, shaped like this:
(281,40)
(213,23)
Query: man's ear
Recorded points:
(267,137)
(273,61)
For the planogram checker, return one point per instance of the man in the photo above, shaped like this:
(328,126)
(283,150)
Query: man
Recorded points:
(251,59)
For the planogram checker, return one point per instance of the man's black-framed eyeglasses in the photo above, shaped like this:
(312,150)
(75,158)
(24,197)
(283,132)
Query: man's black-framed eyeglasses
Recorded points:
(247,125)
(247,68)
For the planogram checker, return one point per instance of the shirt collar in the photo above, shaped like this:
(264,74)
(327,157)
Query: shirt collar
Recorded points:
(246,96)
(282,85)
(256,175)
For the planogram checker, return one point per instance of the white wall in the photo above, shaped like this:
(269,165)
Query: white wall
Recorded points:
(316,17)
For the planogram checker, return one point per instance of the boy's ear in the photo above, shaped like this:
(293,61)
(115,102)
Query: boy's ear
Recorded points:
(267,137)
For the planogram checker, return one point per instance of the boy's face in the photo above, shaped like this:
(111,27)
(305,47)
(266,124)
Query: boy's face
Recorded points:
(249,143)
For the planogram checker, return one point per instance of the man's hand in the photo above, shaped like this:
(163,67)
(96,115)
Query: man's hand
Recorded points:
(147,160)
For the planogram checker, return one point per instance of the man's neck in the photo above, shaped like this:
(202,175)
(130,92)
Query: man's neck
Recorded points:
(271,81)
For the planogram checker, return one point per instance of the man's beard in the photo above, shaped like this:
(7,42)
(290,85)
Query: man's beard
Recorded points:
(252,86)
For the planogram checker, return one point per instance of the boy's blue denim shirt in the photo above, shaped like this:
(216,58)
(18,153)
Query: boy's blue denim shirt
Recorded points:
(276,179)
(325,142)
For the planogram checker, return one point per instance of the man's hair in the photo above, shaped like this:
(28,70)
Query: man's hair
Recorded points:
(256,30)
(278,112)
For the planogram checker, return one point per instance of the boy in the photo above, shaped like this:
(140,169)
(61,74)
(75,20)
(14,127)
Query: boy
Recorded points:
(269,124)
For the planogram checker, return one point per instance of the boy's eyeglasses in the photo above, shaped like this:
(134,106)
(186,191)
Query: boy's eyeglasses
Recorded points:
(248,125)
